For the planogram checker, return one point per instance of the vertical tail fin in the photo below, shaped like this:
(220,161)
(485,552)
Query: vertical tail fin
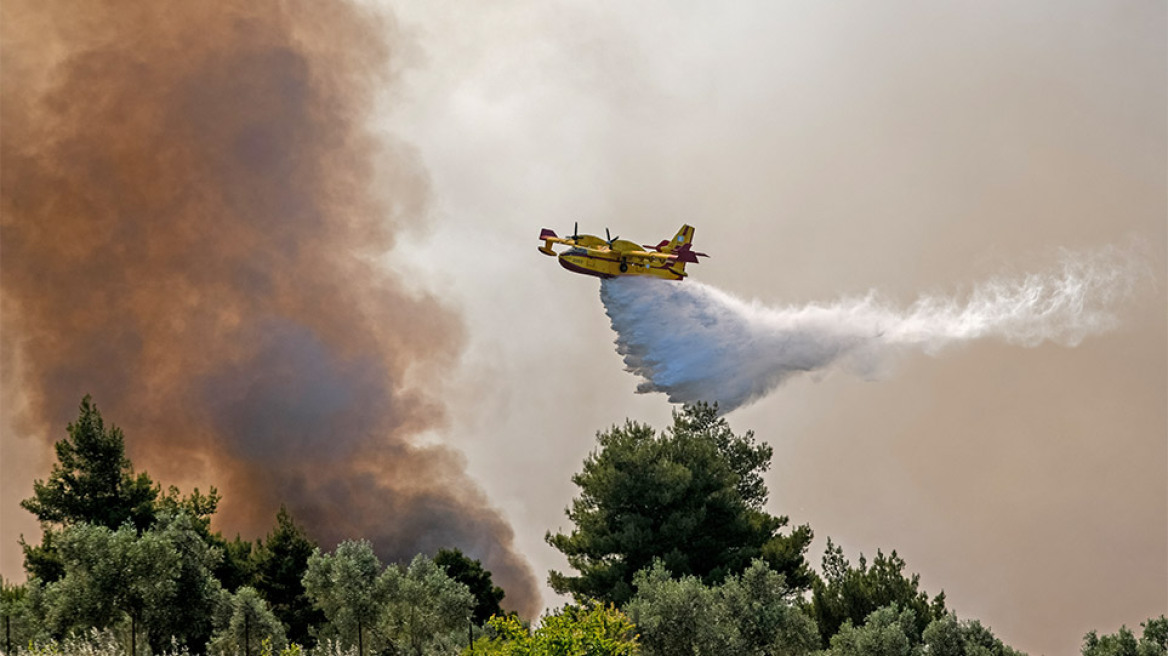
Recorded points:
(683,237)
(680,245)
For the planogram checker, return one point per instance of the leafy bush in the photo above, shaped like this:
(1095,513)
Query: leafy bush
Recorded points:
(752,614)
(592,630)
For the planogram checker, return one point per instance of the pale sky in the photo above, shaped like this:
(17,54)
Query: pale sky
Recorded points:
(820,151)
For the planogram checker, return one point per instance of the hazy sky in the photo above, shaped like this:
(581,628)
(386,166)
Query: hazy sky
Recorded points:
(821,151)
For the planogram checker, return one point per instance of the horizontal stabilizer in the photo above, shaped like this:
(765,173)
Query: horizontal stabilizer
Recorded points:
(686,253)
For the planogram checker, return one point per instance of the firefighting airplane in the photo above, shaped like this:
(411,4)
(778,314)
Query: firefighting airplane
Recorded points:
(612,257)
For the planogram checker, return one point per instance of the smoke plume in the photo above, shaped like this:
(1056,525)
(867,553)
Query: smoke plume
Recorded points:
(193,205)
(693,342)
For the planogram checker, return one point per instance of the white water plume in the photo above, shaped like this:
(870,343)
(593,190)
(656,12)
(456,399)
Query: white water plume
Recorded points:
(693,342)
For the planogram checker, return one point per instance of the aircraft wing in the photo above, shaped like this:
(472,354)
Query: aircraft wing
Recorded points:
(549,237)
(645,256)
(633,252)
(590,241)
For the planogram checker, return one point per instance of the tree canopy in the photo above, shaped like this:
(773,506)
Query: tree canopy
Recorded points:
(672,526)
(845,593)
(752,614)
(589,630)
(413,610)
(245,622)
(428,611)
(470,573)
(159,580)
(892,630)
(351,587)
(280,563)
(1153,642)
(691,497)
(93,480)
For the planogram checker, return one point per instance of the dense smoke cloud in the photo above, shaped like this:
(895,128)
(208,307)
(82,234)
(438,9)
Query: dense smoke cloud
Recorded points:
(192,205)
(693,342)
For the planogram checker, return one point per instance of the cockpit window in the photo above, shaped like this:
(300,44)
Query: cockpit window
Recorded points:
(575,251)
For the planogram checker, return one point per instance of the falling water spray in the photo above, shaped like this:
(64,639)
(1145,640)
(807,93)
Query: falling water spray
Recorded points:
(693,342)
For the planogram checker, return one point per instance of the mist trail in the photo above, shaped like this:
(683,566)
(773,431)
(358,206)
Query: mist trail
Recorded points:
(694,342)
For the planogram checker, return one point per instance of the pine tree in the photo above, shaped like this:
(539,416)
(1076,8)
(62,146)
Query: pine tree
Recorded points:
(692,497)
(92,482)
(280,564)
(478,580)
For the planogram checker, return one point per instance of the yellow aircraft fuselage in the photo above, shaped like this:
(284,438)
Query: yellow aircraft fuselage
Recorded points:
(593,256)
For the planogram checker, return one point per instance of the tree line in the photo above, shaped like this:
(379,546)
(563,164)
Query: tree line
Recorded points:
(672,549)
(119,554)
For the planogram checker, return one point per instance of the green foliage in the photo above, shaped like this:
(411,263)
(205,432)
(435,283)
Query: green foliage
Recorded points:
(887,632)
(245,623)
(43,561)
(417,611)
(891,631)
(767,613)
(20,609)
(236,566)
(159,580)
(196,505)
(754,614)
(124,568)
(352,589)
(281,562)
(189,622)
(478,580)
(111,575)
(239,565)
(680,616)
(593,630)
(427,611)
(691,497)
(846,593)
(1155,637)
(1153,642)
(947,636)
(93,481)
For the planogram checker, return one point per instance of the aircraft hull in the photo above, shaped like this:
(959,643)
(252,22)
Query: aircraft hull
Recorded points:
(605,267)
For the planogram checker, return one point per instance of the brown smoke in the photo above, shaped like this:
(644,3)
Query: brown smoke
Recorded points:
(193,202)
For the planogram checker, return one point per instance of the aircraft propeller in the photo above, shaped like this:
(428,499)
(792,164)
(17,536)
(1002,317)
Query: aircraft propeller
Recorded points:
(575,231)
(610,237)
